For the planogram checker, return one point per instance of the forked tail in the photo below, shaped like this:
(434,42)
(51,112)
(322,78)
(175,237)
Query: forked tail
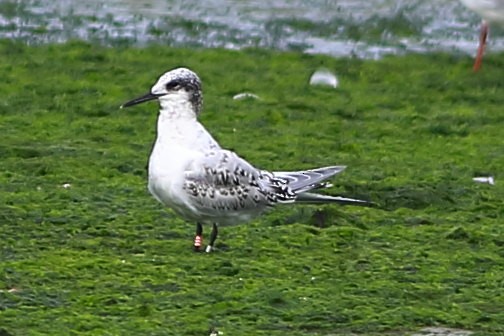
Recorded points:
(301,182)
(318,199)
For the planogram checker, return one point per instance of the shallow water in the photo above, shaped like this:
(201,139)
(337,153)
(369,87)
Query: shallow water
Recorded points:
(361,28)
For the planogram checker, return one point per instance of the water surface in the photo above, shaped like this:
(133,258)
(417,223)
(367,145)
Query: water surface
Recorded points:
(361,28)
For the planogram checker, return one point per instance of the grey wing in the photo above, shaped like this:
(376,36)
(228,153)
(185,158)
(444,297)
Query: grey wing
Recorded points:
(221,181)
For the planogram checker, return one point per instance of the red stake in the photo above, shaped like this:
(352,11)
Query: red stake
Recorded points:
(482,45)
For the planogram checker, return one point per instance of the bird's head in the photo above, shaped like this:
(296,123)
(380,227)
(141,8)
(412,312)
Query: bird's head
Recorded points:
(177,86)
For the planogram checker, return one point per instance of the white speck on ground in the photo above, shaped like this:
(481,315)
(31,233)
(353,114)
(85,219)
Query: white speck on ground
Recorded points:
(324,77)
(439,331)
(484,179)
(245,95)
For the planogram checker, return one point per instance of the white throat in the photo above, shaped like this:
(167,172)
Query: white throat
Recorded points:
(177,105)
(177,120)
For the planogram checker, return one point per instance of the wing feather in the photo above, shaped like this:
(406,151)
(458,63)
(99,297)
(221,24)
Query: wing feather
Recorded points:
(221,180)
(220,184)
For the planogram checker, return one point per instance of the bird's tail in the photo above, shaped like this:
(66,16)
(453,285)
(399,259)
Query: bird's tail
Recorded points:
(318,199)
(301,182)
(304,180)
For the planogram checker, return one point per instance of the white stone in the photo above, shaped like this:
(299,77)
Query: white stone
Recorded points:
(484,179)
(324,77)
(244,95)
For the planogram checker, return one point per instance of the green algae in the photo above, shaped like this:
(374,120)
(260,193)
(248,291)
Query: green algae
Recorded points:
(85,250)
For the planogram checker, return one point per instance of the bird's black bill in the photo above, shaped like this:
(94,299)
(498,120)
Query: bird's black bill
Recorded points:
(142,99)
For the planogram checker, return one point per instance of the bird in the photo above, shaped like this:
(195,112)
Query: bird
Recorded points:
(492,11)
(200,181)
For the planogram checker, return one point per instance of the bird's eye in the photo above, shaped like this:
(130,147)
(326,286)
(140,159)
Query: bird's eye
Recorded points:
(172,85)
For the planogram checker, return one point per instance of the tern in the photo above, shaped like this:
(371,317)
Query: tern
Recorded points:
(202,182)
(492,11)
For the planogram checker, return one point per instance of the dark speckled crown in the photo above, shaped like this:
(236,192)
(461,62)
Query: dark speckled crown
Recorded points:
(188,80)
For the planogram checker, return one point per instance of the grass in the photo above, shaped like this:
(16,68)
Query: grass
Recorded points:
(102,257)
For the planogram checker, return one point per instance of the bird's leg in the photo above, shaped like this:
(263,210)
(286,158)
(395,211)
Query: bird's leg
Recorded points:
(213,237)
(198,240)
(482,45)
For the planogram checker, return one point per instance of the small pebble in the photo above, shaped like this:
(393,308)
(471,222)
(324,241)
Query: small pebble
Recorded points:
(324,77)
(245,95)
(484,179)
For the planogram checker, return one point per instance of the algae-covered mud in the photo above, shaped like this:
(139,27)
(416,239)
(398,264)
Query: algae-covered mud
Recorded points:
(85,250)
